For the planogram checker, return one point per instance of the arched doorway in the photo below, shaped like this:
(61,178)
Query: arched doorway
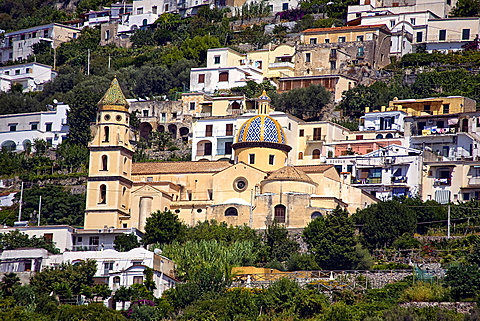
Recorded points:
(9,145)
(204,148)
(172,129)
(184,131)
(145,130)
(160,128)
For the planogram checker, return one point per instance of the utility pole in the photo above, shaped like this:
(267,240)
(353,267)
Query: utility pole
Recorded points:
(39,209)
(88,62)
(448,222)
(109,61)
(20,204)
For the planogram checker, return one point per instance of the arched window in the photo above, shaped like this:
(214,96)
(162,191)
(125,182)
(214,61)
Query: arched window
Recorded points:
(280,213)
(300,155)
(104,163)
(125,165)
(231,211)
(389,136)
(379,136)
(106,134)
(316,154)
(145,22)
(103,194)
(116,280)
(315,215)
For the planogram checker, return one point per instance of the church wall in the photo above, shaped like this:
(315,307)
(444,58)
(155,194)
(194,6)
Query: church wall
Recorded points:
(226,183)
(218,213)
(288,186)
(262,155)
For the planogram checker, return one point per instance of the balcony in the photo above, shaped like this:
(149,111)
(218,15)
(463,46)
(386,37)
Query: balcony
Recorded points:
(442,181)
(435,132)
(399,180)
(369,180)
(474,181)
(315,138)
(224,151)
(282,64)
(201,115)
(103,246)
(234,111)
(216,133)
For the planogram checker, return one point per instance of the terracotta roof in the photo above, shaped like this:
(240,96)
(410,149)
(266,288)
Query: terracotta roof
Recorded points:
(289,173)
(314,168)
(113,98)
(179,167)
(344,28)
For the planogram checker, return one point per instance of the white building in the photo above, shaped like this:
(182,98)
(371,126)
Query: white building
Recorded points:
(278,5)
(226,68)
(31,76)
(213,138)
(18,45)
(69,239)
(18,131)
(383,121)
(391,171)
(447,35)
(118,269)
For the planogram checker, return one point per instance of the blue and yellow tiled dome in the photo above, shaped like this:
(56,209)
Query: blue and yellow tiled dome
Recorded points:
(261,128)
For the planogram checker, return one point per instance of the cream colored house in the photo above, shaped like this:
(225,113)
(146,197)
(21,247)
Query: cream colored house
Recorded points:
(259,186)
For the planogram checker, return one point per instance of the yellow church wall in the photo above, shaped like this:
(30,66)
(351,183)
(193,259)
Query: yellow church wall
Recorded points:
(217,212)
(98,219)
(262,155)
(149,200)
(224,183)
(288,186)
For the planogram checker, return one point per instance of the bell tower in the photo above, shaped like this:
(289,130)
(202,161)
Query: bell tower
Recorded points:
(109,174)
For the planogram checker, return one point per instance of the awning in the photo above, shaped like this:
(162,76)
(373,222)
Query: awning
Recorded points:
(442,196)
(452,121)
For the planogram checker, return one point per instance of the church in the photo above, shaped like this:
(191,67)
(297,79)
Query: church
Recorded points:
(255,189)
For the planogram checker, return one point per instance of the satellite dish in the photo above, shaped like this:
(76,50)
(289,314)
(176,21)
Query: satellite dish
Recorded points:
(157,251)
(55,101)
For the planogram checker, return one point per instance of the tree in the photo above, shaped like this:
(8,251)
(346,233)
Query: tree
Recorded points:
(9,282)
(384,222)
(126,242)
(254,90)
(303,102)
(332,240)
(279,245)
(163,228)
(83,99)
(466,8)
(65,278)
(73,156)
(464,280)
(59,206)
(123,294)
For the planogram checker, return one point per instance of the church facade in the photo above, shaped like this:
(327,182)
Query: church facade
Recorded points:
(255,189)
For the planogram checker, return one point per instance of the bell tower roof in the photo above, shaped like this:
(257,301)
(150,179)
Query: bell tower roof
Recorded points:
(113,98)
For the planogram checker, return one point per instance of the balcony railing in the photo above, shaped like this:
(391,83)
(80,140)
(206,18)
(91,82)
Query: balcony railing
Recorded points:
(234,111)
(316,138)
(399,180)
(474,181)
(101,247)
(203,114)
(442,181)
(223,151)
(203,133)
(370,180)
(282,64)
(436,131)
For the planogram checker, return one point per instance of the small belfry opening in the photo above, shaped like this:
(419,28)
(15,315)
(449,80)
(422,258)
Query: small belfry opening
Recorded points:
(104,163)
(103,194)
(106,134)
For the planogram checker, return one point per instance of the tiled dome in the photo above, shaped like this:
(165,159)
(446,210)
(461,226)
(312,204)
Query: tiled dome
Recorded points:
(261,128)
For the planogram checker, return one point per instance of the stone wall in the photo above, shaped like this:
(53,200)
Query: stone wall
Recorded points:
(461,307)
